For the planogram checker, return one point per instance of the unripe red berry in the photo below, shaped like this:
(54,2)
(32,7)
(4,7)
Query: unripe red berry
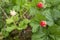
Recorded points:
(40,5)
(43,24)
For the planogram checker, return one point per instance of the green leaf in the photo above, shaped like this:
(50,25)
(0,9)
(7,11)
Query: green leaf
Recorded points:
(55,13)
(23,24)
(57,21)
(53,2)
(38,36)
(58,7)
(9,29)
(56,30)
(17,8)
(34,27)
(33,11)
(5,33)
(48,16)
(9,20)
(57,38)
(52,37)
(7,1)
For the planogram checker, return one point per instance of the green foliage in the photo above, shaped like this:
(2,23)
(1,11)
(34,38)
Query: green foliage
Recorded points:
(23,24)
(10,20)
(48,16)
(25,8)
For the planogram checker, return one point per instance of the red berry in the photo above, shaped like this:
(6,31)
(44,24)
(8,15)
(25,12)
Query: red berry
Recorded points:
(40,5)
(43,23)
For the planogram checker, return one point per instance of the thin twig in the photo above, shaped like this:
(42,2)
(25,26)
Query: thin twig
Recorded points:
(24,14)
(4,12)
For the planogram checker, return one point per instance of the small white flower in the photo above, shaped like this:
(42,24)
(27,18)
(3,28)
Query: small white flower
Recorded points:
(12,12)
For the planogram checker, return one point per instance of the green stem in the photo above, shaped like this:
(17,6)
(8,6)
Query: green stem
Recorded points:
(47,33)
